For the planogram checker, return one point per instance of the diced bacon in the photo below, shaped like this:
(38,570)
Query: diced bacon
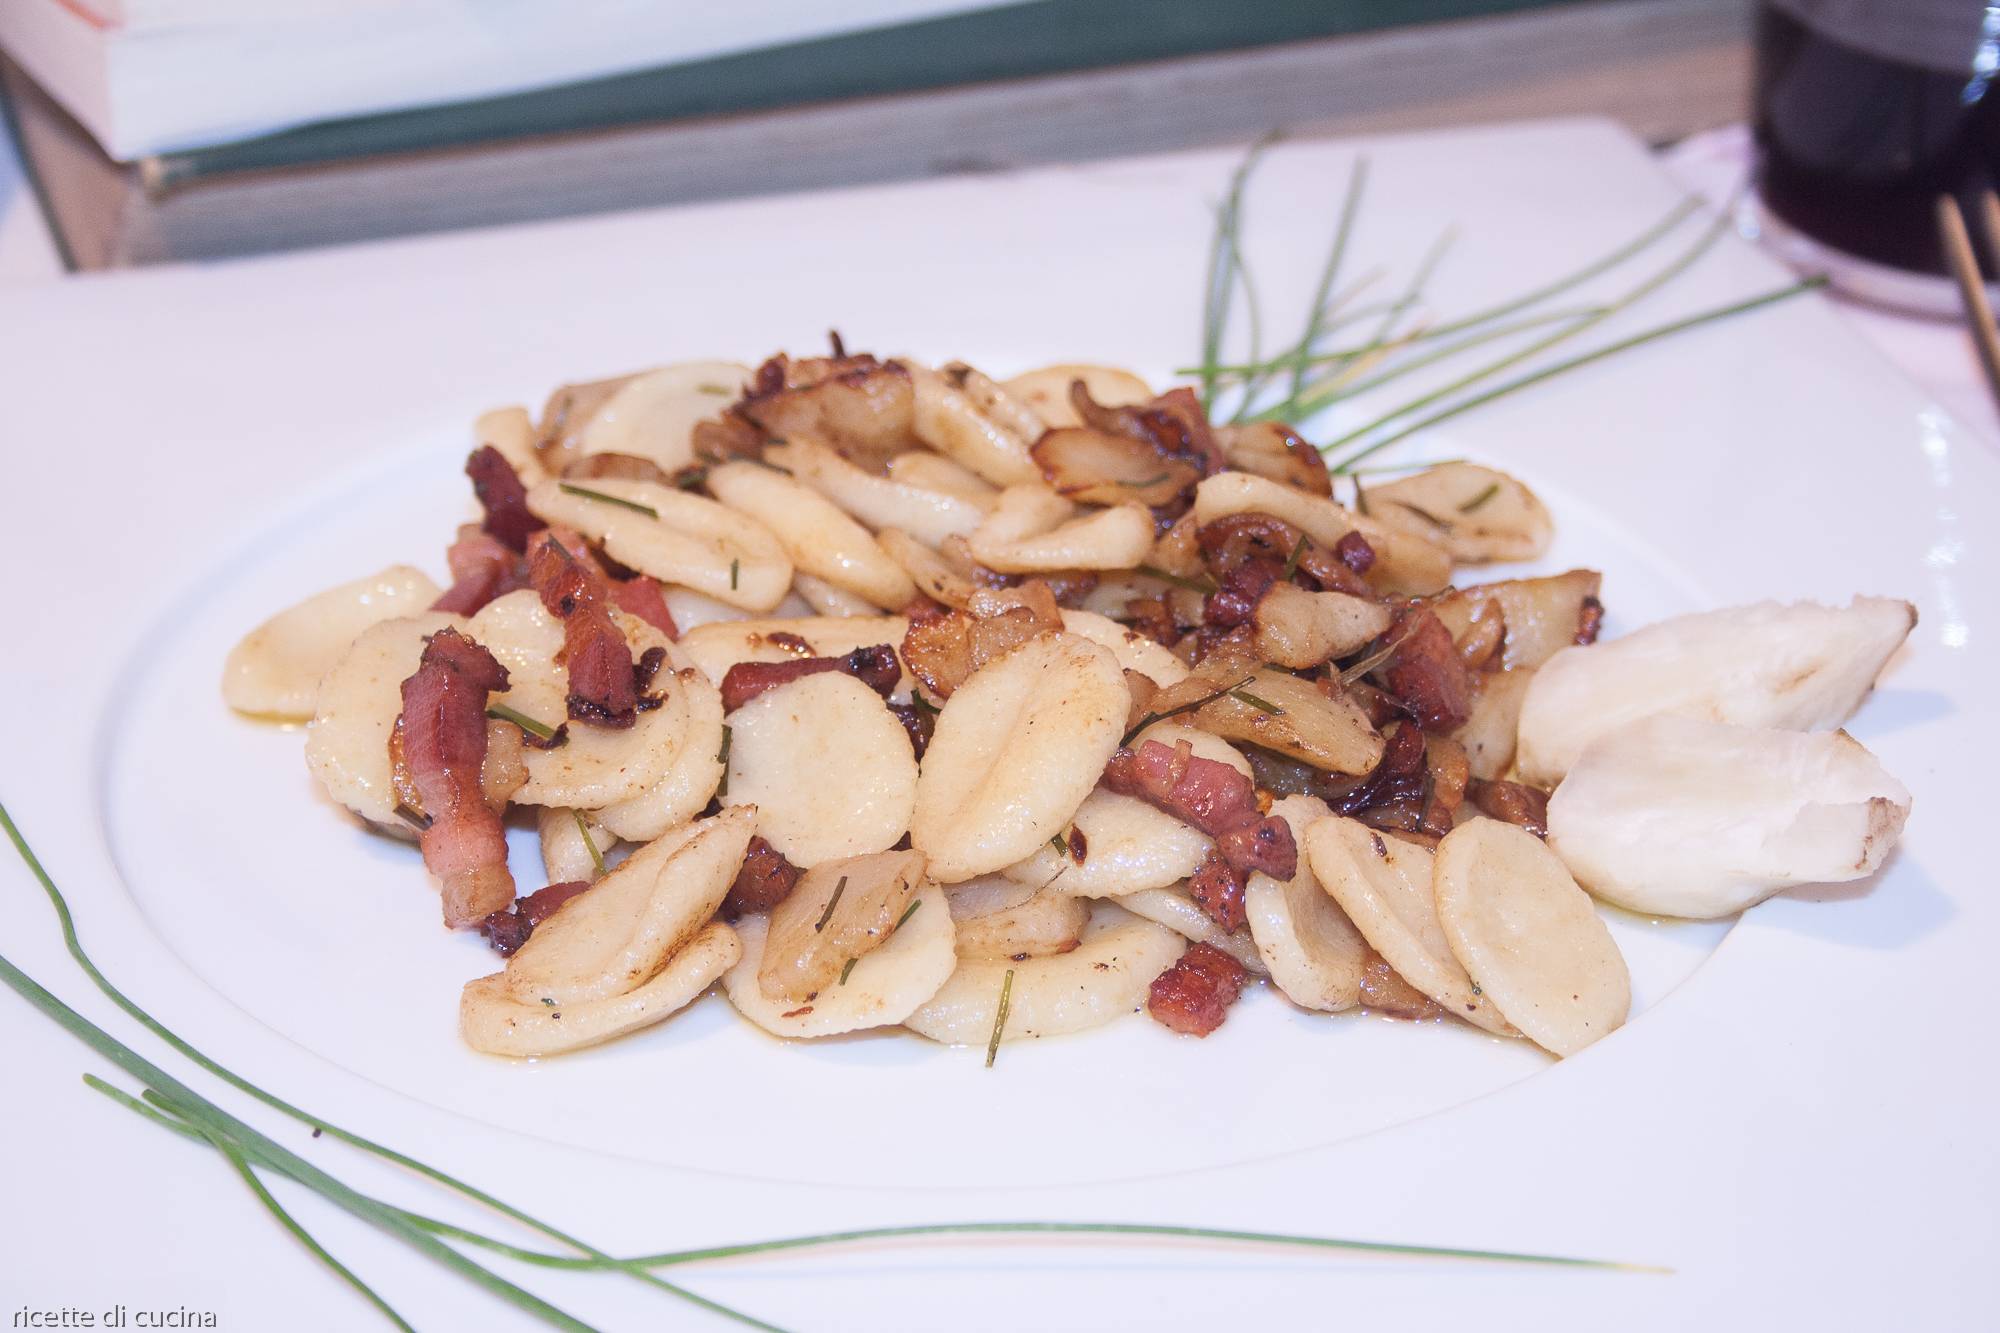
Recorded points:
(874,667)
(765,880)
(640,596)
(502,496)
(443,744)
(1210,796)
(1217,888)
(1193,996)
(1514,802)
(1426,673)
(509,929)
(481,569)
(603,691)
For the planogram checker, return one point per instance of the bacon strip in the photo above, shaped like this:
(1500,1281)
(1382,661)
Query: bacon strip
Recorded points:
(1513,802)
(509,929)
(1426,674)
(641,597)
(1193,996)
(874,667)
(765,880)
(602,688)
(1212,797)
(443,735)
(481,569)
(502,496)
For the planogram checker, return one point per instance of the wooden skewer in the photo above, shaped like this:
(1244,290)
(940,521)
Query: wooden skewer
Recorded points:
(1971,285)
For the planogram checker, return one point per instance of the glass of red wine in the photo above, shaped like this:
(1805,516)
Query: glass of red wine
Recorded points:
(1865,112)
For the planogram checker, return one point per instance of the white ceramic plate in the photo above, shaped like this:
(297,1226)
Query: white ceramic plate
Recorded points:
(1793,1121)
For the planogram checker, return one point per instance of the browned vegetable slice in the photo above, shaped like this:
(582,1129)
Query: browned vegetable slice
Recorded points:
(1095,467)
(839,910)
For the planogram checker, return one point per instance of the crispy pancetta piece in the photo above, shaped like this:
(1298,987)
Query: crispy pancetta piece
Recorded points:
(443,743)
(603,688)
(1217,800)
(1193,996)
(508,930)
(874,667)
(502,496)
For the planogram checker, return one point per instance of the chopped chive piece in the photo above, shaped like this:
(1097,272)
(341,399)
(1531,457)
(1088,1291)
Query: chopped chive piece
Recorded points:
(735,570)
(908,912)
(586,493)
(1000,1017)
(691,479)
(583,827)
(417,821)
(847,968)
(722,755)
(831,903)
(1426,515)
(1292,560)
(1360,496)
(1056,841)
(1148,719)
(917,699)
(539,730)
(718,390)
(1261,705)
(1153,480)
(1377,658)
(1178,580)
(1492,489)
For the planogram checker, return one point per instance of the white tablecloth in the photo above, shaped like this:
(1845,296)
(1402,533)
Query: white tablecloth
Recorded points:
(1936,354)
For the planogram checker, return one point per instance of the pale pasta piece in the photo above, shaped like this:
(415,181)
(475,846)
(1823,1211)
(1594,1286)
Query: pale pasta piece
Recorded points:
(493,1019)
(1313,952)
(1015,751)
(615,936)
(694,769)
(1047,390)
(930,572)
(275,670)
(817,536)
(567,837)
(1404,562)
(511,431)
(985,895)
(1129,845)
(1030,531)
(934,472)
(828,766)
(674,536)
(653,415)
(1178,913)
(1529,938)
(1134,651)
(884,987)
(1384,886)
(595,766)
(930,515)
(826,599)
(1047,923)
(1489,733)
(947,419)
(1103,979)
(1299,629)
(1476,513)
(717,647)
(347,741)
(691,609)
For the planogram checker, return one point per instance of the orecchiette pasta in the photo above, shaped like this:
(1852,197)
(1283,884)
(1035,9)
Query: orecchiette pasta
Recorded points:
(276,669)
(817,536)
(673,536)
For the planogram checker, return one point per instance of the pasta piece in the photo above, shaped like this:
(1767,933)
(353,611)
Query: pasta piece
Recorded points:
(1134,651)
(945,417)
(717,647)
(1046,391)
(1030,531)
(818,538)
(276,669)
(511,431)
(884,986)
(567,838)
(1476,513)
(1528,936)
(653,415)
(830,769)
(693,770)
(617,935)
(1015,751)
(1129,846)
(594,766)
(1798,667)
(934,472)
(825,599)
(674,536)
(932,574)
(1047,923)
(985,895)
(1682,817)
(1314,954)
(1384,886)
(347,741)
(1178,913)
(1102,979)
(493,1019)
(930,515)
(1404,563)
